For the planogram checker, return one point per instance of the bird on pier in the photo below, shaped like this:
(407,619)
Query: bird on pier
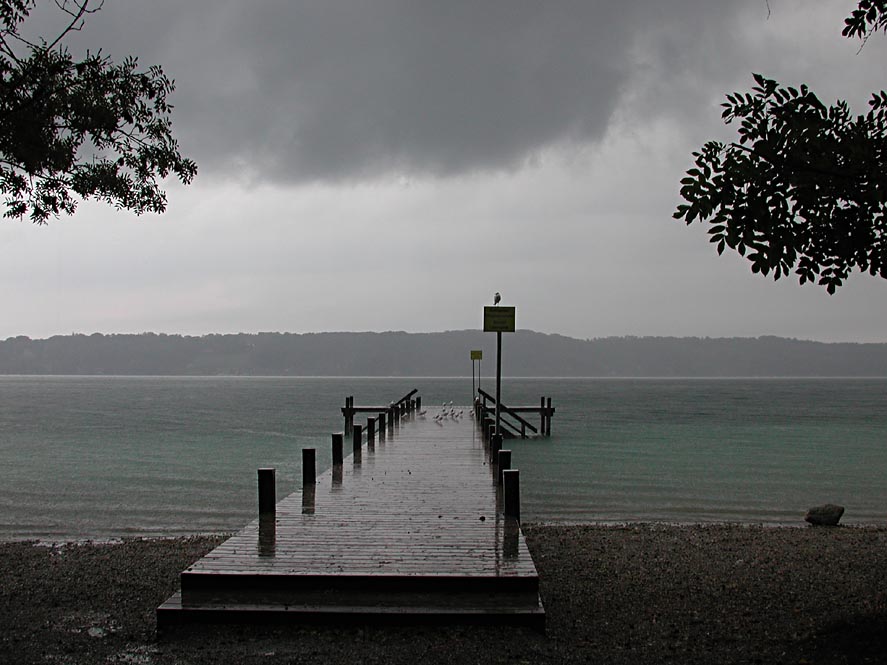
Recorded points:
(497,298)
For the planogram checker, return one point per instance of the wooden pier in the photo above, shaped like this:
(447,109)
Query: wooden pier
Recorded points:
(410,527)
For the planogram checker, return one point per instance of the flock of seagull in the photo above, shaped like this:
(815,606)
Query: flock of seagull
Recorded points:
(447,412)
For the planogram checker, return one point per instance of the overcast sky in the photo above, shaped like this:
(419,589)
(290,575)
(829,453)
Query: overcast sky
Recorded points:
(389,165)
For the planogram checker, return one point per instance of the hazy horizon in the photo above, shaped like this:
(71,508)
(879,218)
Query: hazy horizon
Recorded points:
(435,332)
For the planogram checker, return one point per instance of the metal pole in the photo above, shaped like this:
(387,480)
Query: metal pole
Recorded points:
(498,381)
(473,391)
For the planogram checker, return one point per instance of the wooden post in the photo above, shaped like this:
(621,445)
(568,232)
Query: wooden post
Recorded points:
(495,447)
(357,439)
(491,431)
(338,439)
(371,430)
(396,416)
(309,467)
(548,419)
(418,403)
(349,414)
(504,464)
(267,535)
(382,425)
(542,415)
(267,492)
(308,499)
(511,493)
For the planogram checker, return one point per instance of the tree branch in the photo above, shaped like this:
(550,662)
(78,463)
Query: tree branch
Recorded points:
(82,9)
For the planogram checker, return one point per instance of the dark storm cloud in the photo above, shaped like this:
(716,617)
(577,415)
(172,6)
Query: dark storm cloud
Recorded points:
(325,90)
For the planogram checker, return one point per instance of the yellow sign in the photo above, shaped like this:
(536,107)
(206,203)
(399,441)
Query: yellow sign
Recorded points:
(477,354)
(498,319)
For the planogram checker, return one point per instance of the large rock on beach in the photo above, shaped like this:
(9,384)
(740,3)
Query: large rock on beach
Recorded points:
(827,515)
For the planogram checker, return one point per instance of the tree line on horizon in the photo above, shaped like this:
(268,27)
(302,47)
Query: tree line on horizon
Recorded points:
(525,353)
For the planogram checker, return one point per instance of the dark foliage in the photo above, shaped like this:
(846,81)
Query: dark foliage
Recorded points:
(804,186)
(79,129)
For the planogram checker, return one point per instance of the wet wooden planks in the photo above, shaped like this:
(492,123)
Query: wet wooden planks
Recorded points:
(411,523)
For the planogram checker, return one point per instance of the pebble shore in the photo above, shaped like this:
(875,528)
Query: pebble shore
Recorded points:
(612,594)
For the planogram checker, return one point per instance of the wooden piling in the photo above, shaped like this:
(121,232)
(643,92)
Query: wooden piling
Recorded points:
(357,437)
(418,403)
(382,425)
(504,464)
(267,535)
(267,492)
(542,415)
(309,467)
(349,414)
(511,494)
(371,430)
(495,447)
(548,418)
(338,440)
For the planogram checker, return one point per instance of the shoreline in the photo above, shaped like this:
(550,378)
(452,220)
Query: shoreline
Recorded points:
(628,593)
(62,541)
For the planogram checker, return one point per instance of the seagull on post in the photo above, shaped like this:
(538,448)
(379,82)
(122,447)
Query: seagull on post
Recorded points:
(497,298)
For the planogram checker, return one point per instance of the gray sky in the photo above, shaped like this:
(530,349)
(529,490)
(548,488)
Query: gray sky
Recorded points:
(389,165)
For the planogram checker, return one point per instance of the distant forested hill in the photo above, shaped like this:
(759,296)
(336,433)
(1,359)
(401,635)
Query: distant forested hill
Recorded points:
(525,353)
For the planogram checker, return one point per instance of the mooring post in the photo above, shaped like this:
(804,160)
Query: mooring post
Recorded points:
(418,403)
(511,493)
(267,535)
(542,415)
(267,492)
(357,439)
(548,419)
(381,420)
(371,432)
(495,447)
(504,464)
(309,467)
(349,414)
(338,438)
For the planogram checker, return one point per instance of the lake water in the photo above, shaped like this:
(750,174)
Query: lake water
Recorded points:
(111,456)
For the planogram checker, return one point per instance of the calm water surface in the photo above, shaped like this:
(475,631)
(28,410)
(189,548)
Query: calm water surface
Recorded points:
(110,456)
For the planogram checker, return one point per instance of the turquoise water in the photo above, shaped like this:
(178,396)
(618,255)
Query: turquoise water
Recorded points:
(110,456)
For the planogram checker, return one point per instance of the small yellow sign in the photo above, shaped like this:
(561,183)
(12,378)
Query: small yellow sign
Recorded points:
(477,354)
(498,319)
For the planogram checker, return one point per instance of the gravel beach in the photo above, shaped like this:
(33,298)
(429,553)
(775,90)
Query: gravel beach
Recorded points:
(613,594)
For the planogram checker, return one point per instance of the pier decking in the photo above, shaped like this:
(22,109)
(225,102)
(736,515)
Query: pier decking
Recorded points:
(407,528)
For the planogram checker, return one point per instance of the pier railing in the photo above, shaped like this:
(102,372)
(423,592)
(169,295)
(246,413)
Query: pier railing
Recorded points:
(513,424)
(390,414)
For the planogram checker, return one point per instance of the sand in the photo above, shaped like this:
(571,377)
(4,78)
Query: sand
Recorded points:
(613,594)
